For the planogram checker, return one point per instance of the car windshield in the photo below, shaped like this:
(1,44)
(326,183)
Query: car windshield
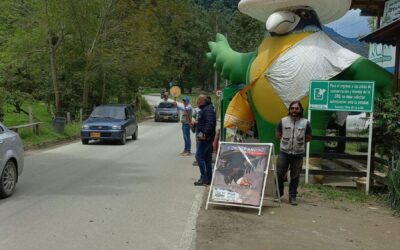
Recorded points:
(166,105)
(108,112)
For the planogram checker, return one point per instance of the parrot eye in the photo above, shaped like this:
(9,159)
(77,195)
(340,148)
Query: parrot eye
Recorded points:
(305,14)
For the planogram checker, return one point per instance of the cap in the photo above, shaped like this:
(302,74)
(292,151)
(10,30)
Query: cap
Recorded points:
(186,99)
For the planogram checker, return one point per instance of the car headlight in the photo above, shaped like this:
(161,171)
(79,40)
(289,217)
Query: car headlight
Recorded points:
(85,126)
(116,127)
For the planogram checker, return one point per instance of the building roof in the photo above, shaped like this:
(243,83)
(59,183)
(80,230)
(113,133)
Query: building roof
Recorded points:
(369,7)
(388,34)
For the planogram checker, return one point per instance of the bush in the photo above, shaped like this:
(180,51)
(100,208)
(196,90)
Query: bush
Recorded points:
(387,124)
(142,107)
(393,197)
(387,139)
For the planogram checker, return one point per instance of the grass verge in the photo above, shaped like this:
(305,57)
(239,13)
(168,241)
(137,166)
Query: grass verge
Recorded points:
(47,136)
(332,193)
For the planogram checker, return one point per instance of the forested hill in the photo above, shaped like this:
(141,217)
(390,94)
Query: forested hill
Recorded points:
(73,54)
(231,4)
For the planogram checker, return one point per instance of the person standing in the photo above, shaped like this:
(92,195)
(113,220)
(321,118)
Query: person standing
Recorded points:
(186,121)
(294,132)
(205,133)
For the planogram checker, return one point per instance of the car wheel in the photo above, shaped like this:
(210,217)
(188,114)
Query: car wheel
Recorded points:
(123,139)
(155,119)
(85,141)
(8,180)
(135,135)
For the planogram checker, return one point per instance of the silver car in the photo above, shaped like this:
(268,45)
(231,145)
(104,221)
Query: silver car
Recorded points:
(11,160)
(166,111)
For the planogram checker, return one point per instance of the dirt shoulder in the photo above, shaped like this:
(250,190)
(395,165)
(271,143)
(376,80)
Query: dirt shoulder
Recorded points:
(316,223)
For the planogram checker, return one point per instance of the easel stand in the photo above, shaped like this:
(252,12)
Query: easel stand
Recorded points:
(269,154)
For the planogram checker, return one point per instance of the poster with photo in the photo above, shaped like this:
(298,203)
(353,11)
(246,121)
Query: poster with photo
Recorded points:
(239,173)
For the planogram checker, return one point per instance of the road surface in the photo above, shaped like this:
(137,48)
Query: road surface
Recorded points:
(103,196)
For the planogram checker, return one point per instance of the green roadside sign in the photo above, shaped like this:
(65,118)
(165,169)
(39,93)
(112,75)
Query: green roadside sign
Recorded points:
(342,95)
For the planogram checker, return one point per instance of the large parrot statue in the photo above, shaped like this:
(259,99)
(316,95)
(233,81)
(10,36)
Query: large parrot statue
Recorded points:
(294,52)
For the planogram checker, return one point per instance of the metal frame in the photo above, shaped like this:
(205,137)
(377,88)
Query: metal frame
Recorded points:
(277,199)
(271,152)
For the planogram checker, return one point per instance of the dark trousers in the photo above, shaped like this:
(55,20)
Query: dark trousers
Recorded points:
(186,137)
(203,157)
(294,163)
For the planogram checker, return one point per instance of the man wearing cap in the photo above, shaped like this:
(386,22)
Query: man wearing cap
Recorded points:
(186,120)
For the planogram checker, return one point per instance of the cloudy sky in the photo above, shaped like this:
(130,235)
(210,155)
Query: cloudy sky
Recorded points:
(351,25)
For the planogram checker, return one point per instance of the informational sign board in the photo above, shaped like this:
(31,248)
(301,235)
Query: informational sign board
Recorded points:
(342,96)
(391,12)
(240,174)
(384,55)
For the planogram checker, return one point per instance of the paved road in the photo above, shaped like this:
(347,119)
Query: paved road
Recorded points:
(102,196)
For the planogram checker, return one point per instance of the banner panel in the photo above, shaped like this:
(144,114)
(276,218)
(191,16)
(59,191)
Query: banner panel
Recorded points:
(240,173)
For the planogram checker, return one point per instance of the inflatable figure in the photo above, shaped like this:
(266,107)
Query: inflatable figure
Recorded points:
(294,52)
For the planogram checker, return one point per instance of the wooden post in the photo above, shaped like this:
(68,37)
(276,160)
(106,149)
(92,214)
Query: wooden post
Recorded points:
(68,118)
(30,112)
(80,116)
(372,169)
(52,112)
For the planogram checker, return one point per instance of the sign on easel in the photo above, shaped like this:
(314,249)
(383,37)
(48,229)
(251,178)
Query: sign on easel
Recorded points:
(240,174)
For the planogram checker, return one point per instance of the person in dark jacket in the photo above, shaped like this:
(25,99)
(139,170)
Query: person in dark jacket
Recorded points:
(205,133)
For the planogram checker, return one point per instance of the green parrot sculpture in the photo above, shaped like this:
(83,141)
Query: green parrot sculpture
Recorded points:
(294,52)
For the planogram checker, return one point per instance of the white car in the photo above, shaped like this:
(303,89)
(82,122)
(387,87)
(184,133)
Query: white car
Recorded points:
(357,122)
(11,160)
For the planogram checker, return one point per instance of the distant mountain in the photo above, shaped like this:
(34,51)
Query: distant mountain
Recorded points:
(349,43)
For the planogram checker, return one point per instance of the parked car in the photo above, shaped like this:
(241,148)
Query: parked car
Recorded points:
(357,122)
(11,160)
(110,122)
(166,111)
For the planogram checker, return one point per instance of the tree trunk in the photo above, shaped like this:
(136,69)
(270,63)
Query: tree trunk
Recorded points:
(103,91)
(56,88)
(85,98)
(89,53)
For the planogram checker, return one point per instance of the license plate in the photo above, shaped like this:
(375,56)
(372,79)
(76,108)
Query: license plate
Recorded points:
(95,135)
(165,117)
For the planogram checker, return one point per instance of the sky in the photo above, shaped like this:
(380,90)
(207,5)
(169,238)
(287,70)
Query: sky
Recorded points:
(351,25)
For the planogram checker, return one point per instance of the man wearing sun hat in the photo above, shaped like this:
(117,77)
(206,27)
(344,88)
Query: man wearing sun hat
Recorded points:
(186,120)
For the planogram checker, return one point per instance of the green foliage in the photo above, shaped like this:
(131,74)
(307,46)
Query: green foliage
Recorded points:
(109,48)
(393,196)
(47,134)
(387,124)
(387,138)
(142,108)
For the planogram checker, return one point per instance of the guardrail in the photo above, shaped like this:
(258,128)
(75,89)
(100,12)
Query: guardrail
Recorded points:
(34,125)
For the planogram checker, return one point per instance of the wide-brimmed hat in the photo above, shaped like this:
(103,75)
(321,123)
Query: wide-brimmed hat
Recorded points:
(327,10)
